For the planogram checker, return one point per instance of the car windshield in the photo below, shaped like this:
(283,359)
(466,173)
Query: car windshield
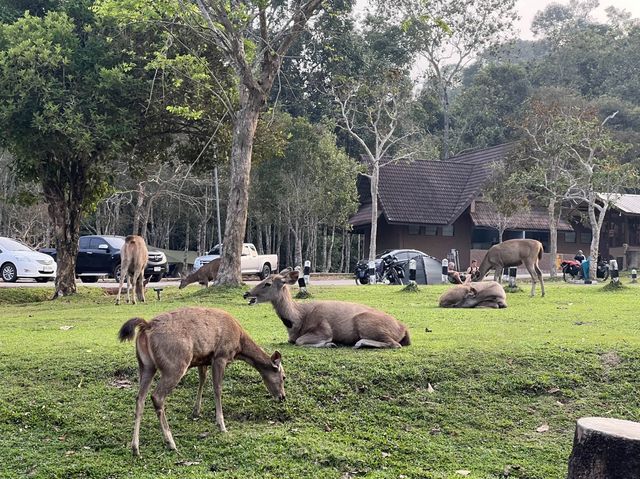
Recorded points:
(7,244)
(215,250)
(383,253)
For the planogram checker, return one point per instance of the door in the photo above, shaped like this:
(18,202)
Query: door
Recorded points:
(98,256)
(83,259)
(249,260)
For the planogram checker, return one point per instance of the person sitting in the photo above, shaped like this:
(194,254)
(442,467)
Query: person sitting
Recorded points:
(454,276)
(473,270)
(579,257)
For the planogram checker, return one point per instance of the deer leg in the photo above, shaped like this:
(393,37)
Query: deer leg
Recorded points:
(167,382)
(120,288)
(315,340)
(219,365)
(202,374)
(142,284)
(390,343)
(532,273)
(129,290)
(539,274)
(146,376)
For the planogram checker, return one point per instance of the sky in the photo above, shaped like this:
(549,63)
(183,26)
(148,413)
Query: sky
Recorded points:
(528,8)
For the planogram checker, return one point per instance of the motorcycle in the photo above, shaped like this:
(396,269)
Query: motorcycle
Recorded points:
(392,270)
(362,272)
(572,269)
(388,271)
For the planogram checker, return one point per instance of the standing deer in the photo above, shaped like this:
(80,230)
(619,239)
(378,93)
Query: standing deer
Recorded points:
(133,260)
(178,340)
(514,253)
(209,272)
(327,323)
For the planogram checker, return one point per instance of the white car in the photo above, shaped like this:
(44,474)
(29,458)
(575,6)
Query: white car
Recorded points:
(19,261)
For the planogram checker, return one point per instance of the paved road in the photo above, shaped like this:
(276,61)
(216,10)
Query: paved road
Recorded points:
(109,283)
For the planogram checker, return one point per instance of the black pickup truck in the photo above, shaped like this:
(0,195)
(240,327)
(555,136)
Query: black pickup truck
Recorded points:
(99,257)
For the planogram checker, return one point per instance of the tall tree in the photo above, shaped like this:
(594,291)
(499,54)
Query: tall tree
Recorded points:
(68,104)
(254,37)
(448,35)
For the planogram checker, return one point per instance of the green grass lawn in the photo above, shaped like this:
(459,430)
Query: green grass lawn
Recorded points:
(496,377)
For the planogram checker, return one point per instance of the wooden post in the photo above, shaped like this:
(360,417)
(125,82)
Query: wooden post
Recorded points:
(605,448)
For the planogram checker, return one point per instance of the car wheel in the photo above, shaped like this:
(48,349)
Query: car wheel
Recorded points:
(116,273)
(88,279)
(42,280)
(9,273)
(266,271)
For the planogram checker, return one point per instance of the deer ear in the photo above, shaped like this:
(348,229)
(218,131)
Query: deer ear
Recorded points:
(473,292)
(276,358)
(291,277)
(285,271)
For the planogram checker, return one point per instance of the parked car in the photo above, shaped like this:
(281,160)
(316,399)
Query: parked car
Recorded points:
(428,268)
(250,263)
(18,260)
(99,256)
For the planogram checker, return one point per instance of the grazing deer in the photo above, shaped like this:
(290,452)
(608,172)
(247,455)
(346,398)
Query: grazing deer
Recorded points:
(133,260)
(209,272)
(327,323)
(178,340)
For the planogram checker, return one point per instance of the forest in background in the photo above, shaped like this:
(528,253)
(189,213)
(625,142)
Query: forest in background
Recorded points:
(305,161)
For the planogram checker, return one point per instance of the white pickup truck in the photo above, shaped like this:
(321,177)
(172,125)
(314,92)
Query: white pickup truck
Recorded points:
(250,263)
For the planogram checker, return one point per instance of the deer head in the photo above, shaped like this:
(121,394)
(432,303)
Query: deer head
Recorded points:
(274,377)
(270,288)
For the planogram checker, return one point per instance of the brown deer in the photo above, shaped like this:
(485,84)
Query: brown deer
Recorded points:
(327,323)
(514,253)
(133,260)
(209,272)
(178,340)
(479,295)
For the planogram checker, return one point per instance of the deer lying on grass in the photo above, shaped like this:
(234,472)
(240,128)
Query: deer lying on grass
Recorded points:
(327,323)
(479,295)
(178,340)
(514,253)
(209,272)
(133,260)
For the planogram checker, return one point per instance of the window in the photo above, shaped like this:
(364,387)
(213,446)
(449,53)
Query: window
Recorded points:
(585,237)
(414,229)
(570,237)
(95,243)
(84,243)
(430,230)
(447,230)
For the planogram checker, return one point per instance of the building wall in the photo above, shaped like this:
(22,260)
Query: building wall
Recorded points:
(414,237)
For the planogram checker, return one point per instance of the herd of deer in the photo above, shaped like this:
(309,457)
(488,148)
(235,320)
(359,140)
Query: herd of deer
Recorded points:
(176,341)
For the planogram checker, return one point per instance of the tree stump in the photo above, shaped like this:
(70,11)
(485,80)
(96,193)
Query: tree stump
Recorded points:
(605,448)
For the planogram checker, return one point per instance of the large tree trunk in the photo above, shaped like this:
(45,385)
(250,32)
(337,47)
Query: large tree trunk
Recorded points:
(244,130)
(65,211)
(596,226)
(374,179)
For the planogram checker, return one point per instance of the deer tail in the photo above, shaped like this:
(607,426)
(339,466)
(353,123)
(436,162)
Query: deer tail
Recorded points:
(128,329)
(540,251)
(406,339)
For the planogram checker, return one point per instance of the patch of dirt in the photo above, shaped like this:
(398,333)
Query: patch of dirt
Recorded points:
(610,359)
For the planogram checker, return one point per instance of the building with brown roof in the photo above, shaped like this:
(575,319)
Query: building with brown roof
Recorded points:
(437,206)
